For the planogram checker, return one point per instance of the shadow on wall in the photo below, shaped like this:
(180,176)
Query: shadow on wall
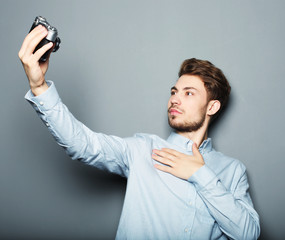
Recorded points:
(213,128)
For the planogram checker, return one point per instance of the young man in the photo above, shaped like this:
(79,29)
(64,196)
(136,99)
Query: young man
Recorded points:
(179,188)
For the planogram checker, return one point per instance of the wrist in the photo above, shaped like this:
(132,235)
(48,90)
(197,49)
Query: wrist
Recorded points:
(38,90)
(194,169)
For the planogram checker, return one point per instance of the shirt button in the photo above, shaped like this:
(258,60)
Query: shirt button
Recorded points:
(41,103)
(190,203)
(47,124)
(186,229)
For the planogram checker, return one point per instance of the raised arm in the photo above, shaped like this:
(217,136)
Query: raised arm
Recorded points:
(99,150)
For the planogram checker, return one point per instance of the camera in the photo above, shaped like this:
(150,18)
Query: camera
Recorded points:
(51,37)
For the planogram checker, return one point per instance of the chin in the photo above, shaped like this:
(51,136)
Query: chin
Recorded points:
(173,122)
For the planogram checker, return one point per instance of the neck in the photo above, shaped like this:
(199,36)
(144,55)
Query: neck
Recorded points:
(198,136)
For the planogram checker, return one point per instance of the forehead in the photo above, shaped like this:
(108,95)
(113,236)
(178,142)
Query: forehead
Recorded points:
(186,81)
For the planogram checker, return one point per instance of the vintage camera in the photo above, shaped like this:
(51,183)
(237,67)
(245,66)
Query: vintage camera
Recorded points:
(51,37)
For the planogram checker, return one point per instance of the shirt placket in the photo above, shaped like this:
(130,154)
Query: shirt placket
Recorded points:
(190,211)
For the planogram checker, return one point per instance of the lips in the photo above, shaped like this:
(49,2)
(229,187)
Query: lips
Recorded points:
(174,111)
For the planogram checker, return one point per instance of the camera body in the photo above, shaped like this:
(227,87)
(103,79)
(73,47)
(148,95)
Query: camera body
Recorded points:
(51,37)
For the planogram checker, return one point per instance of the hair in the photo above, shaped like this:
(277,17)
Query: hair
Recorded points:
(215,82)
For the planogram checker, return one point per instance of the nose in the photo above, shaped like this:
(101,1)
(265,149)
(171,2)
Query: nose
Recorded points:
(175,100)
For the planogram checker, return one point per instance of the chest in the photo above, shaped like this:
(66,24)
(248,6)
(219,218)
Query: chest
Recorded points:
(154,186)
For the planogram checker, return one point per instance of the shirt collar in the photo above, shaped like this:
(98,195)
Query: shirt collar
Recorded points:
(186,143)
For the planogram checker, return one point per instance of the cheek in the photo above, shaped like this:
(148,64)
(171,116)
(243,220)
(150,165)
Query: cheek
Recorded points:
(190,103)
(192,107)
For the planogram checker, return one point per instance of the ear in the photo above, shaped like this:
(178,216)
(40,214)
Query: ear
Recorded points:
(213,107)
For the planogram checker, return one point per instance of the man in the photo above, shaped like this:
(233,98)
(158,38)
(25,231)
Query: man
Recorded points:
(179,188)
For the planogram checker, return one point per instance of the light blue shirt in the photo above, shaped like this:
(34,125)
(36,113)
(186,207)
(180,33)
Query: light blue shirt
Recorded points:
(213,204)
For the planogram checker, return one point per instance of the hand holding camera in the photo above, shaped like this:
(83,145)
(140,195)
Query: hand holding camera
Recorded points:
(35,51)
(51,37)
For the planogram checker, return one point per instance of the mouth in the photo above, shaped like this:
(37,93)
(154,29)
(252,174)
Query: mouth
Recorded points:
(173,111)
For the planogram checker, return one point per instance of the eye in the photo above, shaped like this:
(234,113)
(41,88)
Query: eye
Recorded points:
(189,93)
(173,92)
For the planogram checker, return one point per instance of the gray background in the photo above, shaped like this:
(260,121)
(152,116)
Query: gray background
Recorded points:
(117,62)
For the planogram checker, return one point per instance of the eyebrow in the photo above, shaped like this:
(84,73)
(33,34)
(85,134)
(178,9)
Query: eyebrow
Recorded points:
(186,88)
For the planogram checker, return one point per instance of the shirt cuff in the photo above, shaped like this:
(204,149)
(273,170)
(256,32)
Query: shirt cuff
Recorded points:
(45,101)
(202,177)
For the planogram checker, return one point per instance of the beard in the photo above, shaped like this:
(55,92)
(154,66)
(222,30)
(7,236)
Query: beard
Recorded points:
(187,126)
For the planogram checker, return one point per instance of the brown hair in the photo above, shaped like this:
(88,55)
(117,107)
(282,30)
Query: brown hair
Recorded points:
(216,84)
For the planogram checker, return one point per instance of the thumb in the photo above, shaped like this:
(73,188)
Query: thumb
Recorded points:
(195,149)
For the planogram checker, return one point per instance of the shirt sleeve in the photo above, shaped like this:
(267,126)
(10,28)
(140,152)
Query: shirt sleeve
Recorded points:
(99,150)
(232,210)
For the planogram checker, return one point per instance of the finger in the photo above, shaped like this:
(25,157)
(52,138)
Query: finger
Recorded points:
(195,149)
(172,152)
(28,38)
(163,168)
(40,52)
(163,160)
(164,154)
(32,41)
(35,41)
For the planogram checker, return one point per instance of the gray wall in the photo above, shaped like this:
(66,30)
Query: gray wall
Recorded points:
(117,62)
